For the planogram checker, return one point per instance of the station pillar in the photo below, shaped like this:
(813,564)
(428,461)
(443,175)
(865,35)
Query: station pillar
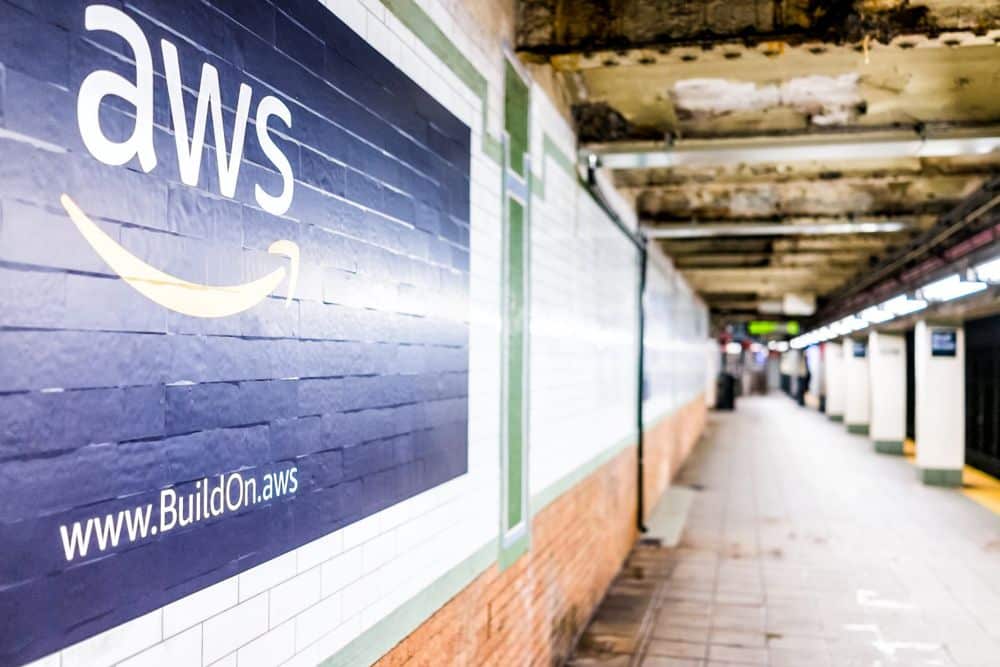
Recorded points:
(887,380)
(939,355)
(833,360)
(857,408)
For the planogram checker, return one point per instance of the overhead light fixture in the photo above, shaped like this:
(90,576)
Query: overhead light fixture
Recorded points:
(856,322)
(733,348)
(849,324)
(903,305)
(719,152)
(714,230)
(875,315)
(988,271)
(952,287)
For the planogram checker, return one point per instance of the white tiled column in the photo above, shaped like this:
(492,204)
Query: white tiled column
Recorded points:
(940,402)
(857,401)
(833,360)
(887,379)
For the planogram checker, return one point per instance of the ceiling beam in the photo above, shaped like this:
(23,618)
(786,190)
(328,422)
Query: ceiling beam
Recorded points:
(814,172)
(548,28)
(943,142)
(845,258)
(871,244)
(770,280)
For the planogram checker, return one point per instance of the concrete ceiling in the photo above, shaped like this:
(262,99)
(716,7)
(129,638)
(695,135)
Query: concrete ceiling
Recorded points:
(654,74)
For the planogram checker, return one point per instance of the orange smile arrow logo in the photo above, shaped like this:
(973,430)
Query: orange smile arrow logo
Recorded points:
(180,295)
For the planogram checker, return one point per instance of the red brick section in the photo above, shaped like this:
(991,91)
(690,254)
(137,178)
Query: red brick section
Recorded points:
(667,445)
(532,612)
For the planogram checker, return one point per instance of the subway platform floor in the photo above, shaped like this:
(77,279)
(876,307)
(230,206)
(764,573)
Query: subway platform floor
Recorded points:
(803,547)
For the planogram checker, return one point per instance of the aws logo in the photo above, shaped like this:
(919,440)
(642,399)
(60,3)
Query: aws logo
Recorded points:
(170,291)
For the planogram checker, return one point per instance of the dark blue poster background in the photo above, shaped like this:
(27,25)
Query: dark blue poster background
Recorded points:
(125,418)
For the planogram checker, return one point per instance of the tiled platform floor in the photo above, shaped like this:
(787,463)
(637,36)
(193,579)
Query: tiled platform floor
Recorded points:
(805,548)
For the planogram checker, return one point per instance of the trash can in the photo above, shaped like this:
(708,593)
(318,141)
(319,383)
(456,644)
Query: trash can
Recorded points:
(725,392)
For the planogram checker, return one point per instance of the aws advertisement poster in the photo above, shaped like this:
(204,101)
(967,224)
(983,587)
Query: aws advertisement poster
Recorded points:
(234,278)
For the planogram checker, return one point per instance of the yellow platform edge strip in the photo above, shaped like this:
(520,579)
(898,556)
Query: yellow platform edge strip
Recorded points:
(976,484)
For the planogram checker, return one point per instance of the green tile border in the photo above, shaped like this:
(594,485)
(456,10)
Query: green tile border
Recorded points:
(411,15)
(889,447)
(422,25)
(550,150)
(515,516)
(550,493)
(858,429)
(509,553)
(941,477)
(379,639)
(836,418)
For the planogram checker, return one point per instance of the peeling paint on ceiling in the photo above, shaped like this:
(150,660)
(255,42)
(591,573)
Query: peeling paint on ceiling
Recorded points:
(826,100)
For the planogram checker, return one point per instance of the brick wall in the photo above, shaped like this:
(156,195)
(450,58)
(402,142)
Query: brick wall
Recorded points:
(532,612)
(667,445)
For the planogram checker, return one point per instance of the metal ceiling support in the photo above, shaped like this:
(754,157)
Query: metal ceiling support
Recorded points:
(816,147)
(699,231)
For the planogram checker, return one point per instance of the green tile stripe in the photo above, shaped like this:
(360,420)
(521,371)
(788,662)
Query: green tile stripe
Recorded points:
(420,24)
(511,552)
(550,493)
(858,429)
(423,27)
(551,150)
(889,446)
(516,110)
(568,481)
(516,361)
(375,642)
(564,161)
(941,476)
(836,418)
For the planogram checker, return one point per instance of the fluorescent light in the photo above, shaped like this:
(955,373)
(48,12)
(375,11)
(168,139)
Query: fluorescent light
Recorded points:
(849,324)
(875,315)
(715,230)
(778,345)
(989,271)
(717,152)
(952,287)
(733,348)
(903,305)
